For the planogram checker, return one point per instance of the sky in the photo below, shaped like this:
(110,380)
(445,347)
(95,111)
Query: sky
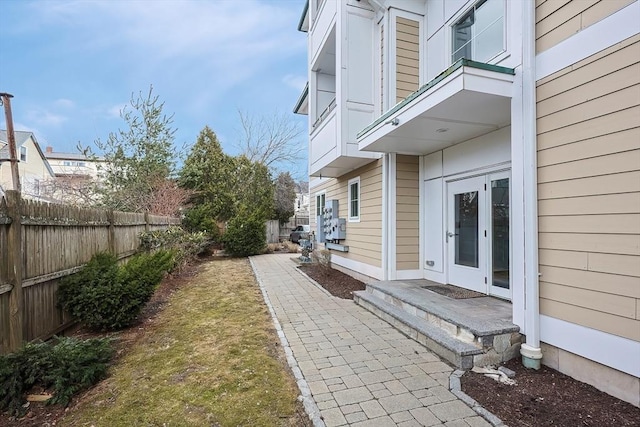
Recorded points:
(73,65)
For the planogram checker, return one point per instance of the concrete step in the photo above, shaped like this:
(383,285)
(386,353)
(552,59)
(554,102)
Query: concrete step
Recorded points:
(455,351)
(466,332)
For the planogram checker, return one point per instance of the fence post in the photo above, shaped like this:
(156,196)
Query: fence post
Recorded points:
(146,220)
(14,264)
(112,232)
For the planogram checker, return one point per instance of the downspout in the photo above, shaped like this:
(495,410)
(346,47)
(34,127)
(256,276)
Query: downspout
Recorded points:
(385,217)
(530,351)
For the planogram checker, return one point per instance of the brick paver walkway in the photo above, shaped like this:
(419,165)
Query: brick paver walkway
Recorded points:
(360,371)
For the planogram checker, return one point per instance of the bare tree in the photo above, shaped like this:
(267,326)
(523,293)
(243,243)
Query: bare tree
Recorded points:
(166,198)
(273,140)
(75,190)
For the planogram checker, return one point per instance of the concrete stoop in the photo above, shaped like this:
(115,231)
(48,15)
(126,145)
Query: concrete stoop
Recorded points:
(463,332)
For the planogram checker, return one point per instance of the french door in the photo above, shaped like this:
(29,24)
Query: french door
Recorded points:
(477,235)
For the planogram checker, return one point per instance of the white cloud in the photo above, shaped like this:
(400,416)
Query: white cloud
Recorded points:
(64,103)
(114,111)
(296,82)
(43,117)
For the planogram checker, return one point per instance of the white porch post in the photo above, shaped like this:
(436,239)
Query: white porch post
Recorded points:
(531,352)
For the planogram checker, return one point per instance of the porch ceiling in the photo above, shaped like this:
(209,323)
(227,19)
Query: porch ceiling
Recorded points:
(467,100)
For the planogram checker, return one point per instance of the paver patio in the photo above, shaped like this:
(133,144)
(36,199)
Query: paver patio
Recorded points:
(360,371)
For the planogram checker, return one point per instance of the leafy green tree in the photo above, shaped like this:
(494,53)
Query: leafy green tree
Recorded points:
(137,158)
(253,188)
(209,173)
(222,185)
(285,197)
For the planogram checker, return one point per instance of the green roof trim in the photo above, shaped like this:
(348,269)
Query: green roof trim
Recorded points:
(304,14)
(303,96)
(440,77)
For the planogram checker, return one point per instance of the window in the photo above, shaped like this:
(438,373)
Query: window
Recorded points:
(354,199)
(23,153)
(479,35)
(319,203)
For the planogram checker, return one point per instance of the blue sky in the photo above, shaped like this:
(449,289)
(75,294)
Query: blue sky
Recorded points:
(72,65)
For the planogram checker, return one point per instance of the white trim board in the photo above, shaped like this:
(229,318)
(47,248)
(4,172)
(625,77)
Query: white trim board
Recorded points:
(408,274)
(619,353)
(599,36)
(357,266)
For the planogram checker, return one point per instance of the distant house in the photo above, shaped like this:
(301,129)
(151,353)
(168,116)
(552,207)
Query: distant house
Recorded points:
(35,172)
(75,173)
(73,164)
(301,207)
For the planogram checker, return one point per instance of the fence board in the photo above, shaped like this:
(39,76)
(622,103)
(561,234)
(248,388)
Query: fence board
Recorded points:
(57,240)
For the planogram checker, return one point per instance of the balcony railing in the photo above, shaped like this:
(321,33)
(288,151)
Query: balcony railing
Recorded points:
(324,114)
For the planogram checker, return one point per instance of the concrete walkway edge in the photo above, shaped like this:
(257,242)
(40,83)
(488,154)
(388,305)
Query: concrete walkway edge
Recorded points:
(307,400)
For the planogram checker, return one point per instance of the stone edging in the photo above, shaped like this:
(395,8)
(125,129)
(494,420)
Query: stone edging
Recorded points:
(456,389)
(305,393)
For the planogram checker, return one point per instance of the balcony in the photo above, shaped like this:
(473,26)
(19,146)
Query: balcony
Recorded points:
(467,100)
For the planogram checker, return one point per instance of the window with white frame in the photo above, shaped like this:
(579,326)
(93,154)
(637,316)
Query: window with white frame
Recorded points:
(23,153)
(319,203)
(354,199)
(479,34)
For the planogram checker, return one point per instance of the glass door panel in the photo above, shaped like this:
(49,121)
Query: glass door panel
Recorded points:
(466,225)
(466,229)
(500,245)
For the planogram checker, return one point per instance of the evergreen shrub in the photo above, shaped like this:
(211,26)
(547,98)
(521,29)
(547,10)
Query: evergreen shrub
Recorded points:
(246,235)
(105,296)
(64,367)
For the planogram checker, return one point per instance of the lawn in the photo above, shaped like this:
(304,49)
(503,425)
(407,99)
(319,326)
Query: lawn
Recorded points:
(210,357)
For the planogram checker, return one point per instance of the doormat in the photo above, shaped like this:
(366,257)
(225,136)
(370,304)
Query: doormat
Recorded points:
(454,292)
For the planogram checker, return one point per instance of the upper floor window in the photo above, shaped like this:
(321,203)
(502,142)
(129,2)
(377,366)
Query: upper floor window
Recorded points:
(479,34)
(354,199)
(23,153)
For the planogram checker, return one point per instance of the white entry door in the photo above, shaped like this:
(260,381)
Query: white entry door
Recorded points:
(466,233)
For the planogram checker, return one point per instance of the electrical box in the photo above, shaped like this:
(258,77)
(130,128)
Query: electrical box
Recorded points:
(337,229)
(334,228)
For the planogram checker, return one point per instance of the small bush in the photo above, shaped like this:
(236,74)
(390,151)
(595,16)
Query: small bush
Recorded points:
(322,257)
(187,245)
(105,296)
(201,219)
(64,367)
(246,235)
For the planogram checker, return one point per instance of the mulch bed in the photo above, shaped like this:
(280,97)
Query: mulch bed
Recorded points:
(336,282)
(548,398)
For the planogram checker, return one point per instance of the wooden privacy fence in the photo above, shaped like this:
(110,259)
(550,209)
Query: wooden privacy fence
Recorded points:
(39,244)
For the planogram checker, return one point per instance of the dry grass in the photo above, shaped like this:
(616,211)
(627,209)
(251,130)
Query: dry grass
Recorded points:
(211,358)
(290,247)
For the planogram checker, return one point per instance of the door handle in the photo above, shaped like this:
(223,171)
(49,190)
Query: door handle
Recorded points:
(450,234)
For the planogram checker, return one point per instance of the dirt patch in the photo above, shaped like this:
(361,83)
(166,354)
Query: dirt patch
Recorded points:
(336,282)
(548,398)
(454,292)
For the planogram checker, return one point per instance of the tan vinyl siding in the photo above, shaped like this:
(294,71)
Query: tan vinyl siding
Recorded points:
(364,238)
(407,213)
(557,20)
(407,57)
(589,191)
